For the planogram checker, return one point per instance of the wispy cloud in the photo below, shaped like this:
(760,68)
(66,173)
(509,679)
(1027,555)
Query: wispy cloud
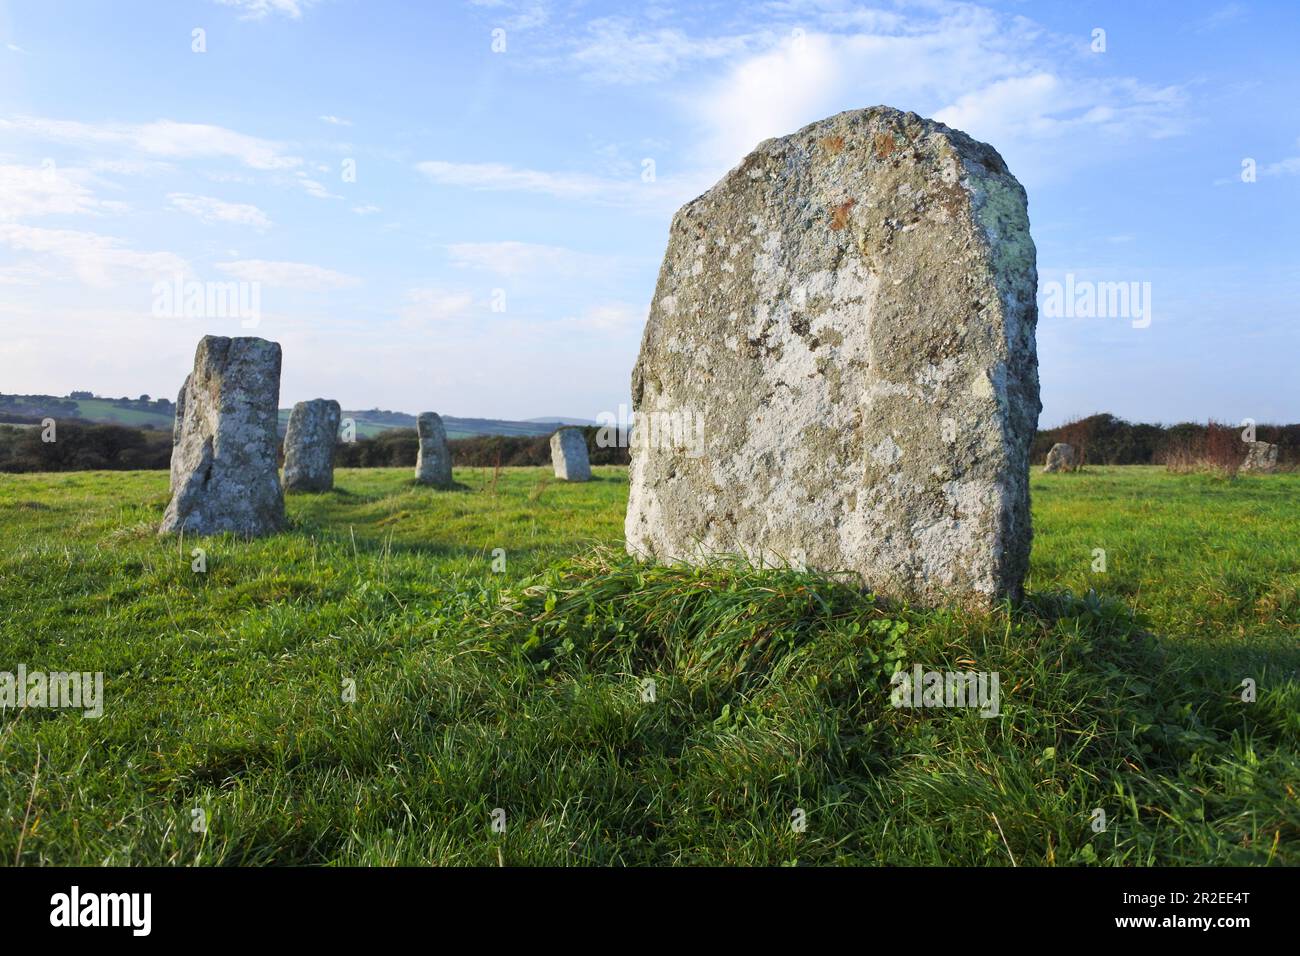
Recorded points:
(614,51)
(288,275)
(335,120)
(211,210)
(499,176)
(523,258)
(261,9)
(609,317)
(162,138)
(29,191)
(633,192)
(315,187)
(1003,80)
(1224,15)
(516,14)
(95,259)
(433,305)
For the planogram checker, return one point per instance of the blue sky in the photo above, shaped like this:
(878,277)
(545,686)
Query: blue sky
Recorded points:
(496,250)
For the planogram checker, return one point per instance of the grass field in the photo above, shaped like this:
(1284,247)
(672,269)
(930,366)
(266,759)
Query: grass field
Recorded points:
(104,410)
(226,737)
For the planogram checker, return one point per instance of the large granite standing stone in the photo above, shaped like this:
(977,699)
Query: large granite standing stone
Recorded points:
(433,463)
(1061,457)
(309,445)
(224,469)
(849,314)
(569,455)
(1261,458)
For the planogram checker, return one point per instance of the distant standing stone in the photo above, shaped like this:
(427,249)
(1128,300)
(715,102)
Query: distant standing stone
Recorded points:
(309,445)
(1060,458)
(224,469)
(839,370)
(1261,458)
(569,455)
(433,464)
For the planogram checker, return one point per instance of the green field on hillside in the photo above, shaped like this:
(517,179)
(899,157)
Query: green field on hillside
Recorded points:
(367,689)
(109,412)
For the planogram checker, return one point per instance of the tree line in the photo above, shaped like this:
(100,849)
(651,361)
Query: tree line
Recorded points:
(1100,439)
(82,446)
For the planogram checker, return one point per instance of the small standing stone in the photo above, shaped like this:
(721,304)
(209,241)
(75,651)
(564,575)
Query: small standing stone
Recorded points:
(224,469)
(1261,458)
(433,465)
(1060,458)
(569,455)
(309,445)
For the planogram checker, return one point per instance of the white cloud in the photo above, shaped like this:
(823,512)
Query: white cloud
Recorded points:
(95,259)
(314,187)
(609,317)
(432,306)
(499,176)
(46,190)
(27,274)
(770,94)
(613,52)
(288,275)
(1003,80)
(664,193)
(336,120)
(1283,167)
(165,138)
(210,210)
(366,209)
(524,15)
(520,258)
(1221,17)
(260,9)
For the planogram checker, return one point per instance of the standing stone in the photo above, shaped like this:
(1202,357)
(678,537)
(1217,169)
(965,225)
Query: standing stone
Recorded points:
(847,320)
(569,455)
(433,464)
(309,445)
(1060,458)
(224,474)
(1261,458)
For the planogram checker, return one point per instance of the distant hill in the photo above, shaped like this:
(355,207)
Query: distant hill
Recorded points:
(158,414)
(142,412)
(561,420)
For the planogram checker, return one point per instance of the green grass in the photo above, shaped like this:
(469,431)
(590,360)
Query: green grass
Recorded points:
(107,411)
(524,690)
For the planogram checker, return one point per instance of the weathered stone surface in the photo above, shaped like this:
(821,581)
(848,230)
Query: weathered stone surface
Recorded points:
(569,455)
(1261,458)
(224,473)
(309,445)
(1061,457)
(433,463)
(850,314)
(176,430)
